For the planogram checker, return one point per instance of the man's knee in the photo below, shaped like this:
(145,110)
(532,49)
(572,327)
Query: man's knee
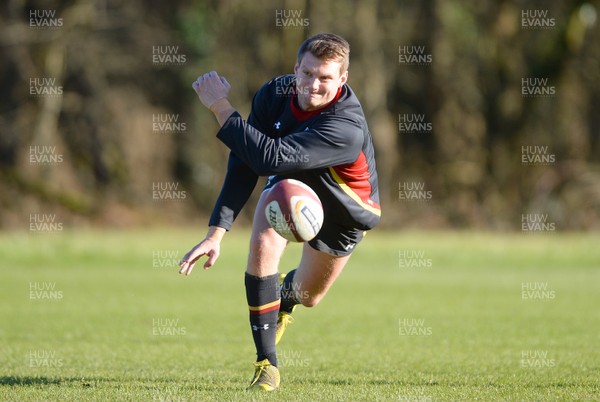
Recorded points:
(267,241)
(311,300)
(265,252)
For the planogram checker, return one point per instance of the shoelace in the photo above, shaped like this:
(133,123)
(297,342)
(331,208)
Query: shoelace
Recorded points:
(262,367)
(286,319)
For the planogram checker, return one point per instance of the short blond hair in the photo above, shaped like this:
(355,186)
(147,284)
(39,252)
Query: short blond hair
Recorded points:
(327,46)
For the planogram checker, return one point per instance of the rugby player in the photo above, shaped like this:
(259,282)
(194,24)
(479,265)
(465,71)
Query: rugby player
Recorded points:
(308,126)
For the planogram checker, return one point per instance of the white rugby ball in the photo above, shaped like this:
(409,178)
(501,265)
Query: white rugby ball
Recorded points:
(294,210)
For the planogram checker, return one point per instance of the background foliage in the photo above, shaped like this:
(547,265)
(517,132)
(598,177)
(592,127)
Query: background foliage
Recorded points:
(471,93)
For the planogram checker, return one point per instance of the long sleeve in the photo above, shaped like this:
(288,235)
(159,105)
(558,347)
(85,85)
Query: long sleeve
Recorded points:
(332,141)
(237,187)
(240,179)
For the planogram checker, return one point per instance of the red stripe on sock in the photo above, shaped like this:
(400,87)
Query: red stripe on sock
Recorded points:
(258,312)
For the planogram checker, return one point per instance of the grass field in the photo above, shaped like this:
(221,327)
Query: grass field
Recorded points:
(414,317)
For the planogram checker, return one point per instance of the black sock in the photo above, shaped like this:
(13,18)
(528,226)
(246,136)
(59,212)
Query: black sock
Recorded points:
(263,301)
(288,294)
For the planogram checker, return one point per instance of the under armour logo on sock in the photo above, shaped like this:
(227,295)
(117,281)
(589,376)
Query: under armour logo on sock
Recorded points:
(258,327)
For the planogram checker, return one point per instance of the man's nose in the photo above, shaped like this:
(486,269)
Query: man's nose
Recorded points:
(314,85)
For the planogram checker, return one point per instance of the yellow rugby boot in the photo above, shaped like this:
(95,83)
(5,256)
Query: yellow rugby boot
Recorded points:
(266,377)
(283,318)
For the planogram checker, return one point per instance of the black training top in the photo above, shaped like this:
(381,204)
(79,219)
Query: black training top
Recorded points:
(329,149)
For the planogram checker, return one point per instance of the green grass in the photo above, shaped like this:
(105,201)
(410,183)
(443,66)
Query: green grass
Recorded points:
(98,336)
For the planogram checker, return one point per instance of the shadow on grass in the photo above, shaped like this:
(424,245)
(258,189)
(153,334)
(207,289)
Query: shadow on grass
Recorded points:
(168,385)
(29,381)
(32,381)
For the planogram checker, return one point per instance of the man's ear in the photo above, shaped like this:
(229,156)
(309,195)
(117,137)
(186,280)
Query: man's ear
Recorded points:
(296,66)
(344,77)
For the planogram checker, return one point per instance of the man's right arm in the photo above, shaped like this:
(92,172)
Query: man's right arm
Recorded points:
(237,187)
(239,183)
(210,246)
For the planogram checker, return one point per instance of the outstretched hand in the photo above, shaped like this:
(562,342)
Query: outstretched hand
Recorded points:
(208,247)
(211,87)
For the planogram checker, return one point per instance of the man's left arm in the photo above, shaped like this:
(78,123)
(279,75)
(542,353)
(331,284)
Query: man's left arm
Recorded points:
(212,89)
(331,141)
(335,141)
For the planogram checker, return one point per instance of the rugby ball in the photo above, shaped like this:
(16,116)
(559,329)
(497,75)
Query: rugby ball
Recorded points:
(294,210)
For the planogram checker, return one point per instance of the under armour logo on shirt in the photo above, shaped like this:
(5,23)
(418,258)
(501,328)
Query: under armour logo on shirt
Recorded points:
(277,125)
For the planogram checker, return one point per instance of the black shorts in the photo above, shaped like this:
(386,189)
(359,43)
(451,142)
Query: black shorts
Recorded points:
(334,238)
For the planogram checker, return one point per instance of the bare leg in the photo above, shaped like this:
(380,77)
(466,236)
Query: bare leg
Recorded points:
(316,274)
(266,246)
(262,284)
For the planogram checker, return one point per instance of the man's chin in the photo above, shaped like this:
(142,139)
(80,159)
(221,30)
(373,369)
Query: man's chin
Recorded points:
(312,105)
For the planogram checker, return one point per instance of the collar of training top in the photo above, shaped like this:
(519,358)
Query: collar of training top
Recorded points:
(303,115)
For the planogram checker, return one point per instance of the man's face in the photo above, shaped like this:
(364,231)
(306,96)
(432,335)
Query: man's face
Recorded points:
(317,81)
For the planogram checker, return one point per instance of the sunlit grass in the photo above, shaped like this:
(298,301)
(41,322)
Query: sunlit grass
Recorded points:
(455,326)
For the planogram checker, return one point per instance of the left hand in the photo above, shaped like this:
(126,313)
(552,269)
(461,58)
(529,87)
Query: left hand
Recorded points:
(210,88)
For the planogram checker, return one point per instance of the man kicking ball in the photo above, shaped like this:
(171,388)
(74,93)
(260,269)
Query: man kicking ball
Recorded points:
(315,115)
